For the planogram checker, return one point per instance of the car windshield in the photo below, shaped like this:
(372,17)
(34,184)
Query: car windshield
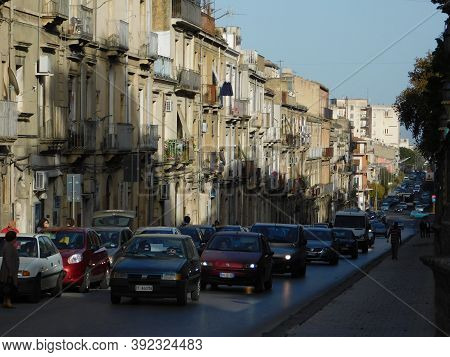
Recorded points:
(343,234)
(158,247)
(157,231)
(112,221)
(350,221)
(318,234)
(227,243)
(68,240)
(278,234)
(229,229)
(110,239)
(26,247)
(378,226)
(208,232)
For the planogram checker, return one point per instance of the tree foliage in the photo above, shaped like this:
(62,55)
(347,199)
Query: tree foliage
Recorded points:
(416,159)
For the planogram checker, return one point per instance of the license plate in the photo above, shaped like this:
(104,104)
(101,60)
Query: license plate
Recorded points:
(144,288)
(226,275)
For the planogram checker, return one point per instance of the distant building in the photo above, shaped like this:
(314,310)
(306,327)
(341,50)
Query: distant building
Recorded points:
(354,110)
(404,143)
(383,124)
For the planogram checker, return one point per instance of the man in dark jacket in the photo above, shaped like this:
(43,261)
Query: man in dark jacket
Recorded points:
(9,269)
(396,239)
(423,228)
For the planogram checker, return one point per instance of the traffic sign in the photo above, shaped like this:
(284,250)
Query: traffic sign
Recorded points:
(74,188)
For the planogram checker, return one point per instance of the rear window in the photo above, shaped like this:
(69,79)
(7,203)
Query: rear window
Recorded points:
(227,243)
(341,234)
(278,234)
(68,240)
(26,247)
(110,239)
(315,234)
(156,231)
(112,221)
(350,221)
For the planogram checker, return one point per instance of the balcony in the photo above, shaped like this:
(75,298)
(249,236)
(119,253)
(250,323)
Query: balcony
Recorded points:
(55,127)
(163,68)
(149,47)
(256,122)
(315,153)
(189,80)
(210,97)
(291,140)
(187,13)
(80,25)
(118,34)
(118,138)
(178,151)
(327,113)
(208,24)
(149,138)
(83,137)
(54,11)
(210,162)
(8,121)
(328,153)
(241,108)
(272,136)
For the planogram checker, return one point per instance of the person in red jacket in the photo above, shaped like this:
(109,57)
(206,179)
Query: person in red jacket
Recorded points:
(10,227)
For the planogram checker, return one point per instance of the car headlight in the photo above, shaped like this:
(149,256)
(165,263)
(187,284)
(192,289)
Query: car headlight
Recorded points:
(251,266)
(288,257)
(110,260)
(370,231)
(119,275)
(23,273)
(75,259)
(171,276)
(207,264)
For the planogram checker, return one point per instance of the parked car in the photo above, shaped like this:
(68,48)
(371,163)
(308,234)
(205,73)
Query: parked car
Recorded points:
(207,230)
(113,239)
(197,237)
(157,230)
(321,225)
(289,246)
(348,245)
(85,261)
(231,228)
(321,246)
(114,218)
(358,222)
(379,229)
(237,258)
(40,266)
(419,214)
(157,266)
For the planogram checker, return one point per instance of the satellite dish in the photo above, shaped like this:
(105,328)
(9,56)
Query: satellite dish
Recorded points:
(13,81)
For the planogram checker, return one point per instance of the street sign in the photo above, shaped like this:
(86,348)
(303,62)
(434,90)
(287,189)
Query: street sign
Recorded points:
(74,188)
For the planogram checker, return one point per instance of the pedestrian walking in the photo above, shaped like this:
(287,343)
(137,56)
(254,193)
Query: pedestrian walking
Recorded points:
(423,228)
(216,223)
(186,221)
(43,224)
(70,222)
(9,269)
(10,227)
(395,235)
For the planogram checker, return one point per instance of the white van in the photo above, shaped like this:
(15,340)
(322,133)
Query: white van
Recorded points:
(358,222)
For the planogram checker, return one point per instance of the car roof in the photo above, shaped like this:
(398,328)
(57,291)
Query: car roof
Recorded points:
(237,234)
(320,229)
(156,227)
(108,213)
(23,235)
(351,213)
(276,225)
(168,236)
(67,229)
(111,229)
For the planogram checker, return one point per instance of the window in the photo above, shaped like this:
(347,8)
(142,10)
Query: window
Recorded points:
(43,248)
(50,246)
(352,107)
(352,116)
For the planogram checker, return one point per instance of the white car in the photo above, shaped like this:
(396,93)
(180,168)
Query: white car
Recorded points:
(40,269)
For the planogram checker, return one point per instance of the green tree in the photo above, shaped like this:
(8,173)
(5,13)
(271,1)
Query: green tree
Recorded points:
(416,159)
(376,190)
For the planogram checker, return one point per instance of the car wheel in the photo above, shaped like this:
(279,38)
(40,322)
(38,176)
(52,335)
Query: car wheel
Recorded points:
(182,296)
(202,285)
(259,285)
(104,284)
(86,283)
(57,290)
(37,292)
(268,284)
(195,295)
(115,299)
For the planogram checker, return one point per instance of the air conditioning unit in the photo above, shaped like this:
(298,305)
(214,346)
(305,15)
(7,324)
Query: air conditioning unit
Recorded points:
(164,192)
(169,106)
(40,181)
(204,127)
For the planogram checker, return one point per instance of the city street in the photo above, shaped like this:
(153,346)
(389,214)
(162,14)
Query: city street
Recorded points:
(225,312)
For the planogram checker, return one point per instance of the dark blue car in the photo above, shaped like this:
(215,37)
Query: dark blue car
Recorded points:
(321,245)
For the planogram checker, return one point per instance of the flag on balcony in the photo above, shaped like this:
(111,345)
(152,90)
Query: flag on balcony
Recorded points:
(226,90)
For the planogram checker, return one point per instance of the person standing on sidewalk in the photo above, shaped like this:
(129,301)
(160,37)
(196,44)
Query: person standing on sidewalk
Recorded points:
(396,239)
(9,269)
(423,228)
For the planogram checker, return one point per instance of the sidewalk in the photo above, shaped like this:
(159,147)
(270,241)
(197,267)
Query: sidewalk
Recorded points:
(366,309)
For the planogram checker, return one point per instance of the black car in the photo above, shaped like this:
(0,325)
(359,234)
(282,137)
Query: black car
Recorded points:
(113,239)
(157,266)
(288,244)
(321,246)
(231,228)
(207,230)
(348,244)
(237,258)
(197,237)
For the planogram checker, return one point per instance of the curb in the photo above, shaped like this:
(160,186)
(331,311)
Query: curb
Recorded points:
(318,302)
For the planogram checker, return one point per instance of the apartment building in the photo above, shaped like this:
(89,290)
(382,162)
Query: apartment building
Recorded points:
(360,165)
(354,110)
(384,125)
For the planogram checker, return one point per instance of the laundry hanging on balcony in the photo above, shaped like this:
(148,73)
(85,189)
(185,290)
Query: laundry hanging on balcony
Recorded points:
(226,90)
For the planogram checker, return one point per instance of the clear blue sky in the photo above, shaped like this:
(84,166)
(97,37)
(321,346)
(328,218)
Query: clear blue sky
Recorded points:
(327,40)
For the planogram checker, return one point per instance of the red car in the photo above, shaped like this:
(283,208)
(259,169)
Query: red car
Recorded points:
(85,261)
(237,258)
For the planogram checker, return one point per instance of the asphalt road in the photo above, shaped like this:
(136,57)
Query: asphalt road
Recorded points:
(225,312)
